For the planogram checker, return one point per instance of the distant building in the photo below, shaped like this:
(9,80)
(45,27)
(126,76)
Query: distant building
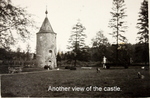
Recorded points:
(46,45)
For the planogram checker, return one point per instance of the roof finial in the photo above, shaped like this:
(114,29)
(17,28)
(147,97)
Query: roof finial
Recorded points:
(46,12)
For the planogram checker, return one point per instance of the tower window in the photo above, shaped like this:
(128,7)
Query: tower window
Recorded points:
(50,51)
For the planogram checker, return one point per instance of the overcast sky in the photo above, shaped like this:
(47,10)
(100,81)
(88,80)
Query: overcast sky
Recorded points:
(93,14)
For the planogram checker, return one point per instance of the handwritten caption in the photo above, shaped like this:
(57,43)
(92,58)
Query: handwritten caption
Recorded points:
(82,89)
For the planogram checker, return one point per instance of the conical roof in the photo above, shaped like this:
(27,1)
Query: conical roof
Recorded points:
(46,27)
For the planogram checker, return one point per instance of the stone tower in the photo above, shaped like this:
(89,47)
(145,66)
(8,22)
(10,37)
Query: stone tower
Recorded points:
(46,45)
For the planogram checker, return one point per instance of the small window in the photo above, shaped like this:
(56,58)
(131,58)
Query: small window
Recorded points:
(50,51)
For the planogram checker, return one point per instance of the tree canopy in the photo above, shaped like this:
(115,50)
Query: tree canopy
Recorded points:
(117,22)
(142,24)
(14,21)
(77,38)
(99,40)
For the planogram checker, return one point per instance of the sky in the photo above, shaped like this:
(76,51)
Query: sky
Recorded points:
(64,14)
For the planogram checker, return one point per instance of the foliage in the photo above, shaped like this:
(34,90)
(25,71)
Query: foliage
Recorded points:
(13,21)
(127,53)
(142,24)
(141,54)
(83,54)
(67,67)
(123,56)
(143,33)
(2,52)
(47,67)
(77,38)
(73,68)
(117,22)
(99,40)
(18,55)
(28,49)
(59,57)
(70,55)
(99,44)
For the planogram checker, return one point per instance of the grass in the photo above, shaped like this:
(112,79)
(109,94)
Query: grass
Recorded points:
(36,84)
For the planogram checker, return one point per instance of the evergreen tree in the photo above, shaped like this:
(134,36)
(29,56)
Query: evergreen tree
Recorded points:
(117,22)
(28,49)
(77,39)
(143,33)
(142,24)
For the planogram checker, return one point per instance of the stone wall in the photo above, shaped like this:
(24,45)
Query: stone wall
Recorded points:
(46,49)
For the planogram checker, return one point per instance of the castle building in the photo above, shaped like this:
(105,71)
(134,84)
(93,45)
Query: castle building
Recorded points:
(46,45)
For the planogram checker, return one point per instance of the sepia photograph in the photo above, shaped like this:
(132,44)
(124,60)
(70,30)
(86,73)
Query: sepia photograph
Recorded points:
(74,48)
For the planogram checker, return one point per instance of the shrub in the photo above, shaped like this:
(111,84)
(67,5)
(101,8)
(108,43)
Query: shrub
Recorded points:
(72,68)
(67,67)
(107,66)
(46,67)
(126,66)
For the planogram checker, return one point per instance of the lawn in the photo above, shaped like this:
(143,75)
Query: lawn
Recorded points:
(122,83)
